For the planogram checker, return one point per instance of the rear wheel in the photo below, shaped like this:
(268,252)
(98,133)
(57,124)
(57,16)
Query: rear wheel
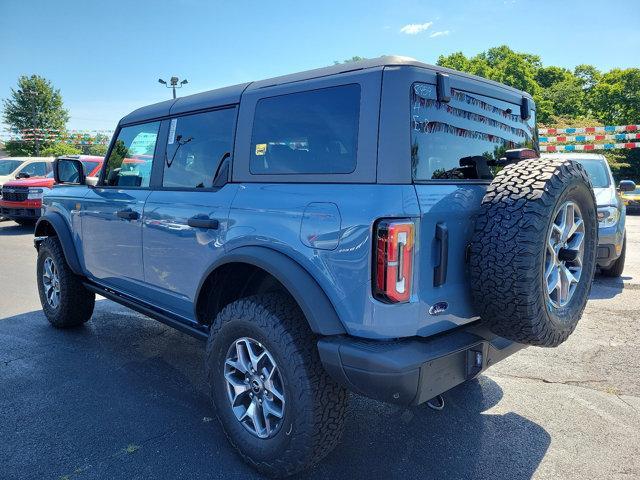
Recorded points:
(277,406)
(65,301)
(617,267)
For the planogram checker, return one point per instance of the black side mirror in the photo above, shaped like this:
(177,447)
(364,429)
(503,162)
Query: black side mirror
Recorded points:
(626,186)
(69,171)
(23,175)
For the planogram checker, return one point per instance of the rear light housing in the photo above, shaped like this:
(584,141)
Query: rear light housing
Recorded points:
(393,260)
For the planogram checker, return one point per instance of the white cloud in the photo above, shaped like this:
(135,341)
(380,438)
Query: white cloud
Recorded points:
(415,28)
(442,33)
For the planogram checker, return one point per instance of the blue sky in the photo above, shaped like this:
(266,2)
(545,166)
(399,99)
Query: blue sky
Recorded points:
(106,56)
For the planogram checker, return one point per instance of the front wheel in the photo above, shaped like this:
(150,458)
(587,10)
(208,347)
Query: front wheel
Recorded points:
(277,406)
(65,301)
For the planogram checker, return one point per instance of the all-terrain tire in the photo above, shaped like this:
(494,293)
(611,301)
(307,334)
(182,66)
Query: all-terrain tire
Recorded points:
(75,304)
(617,267)
(509,245)
(315,406)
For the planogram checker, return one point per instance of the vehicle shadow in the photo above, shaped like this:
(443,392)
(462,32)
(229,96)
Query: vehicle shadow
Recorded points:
(8,227)
(607,287)
(125,396)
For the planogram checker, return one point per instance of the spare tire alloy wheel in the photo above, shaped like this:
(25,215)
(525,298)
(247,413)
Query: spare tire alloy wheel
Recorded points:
(254,387)
(563,263)
(533,251)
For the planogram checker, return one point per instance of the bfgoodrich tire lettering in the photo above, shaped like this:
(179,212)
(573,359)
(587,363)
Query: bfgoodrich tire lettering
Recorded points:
(75,303)
(509,244)
(315,405)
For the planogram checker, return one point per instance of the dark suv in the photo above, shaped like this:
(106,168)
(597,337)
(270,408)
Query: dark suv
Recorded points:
(383,227)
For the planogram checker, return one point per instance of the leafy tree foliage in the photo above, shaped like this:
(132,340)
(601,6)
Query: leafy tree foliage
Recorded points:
(60,148)
(565,98)
(34,104)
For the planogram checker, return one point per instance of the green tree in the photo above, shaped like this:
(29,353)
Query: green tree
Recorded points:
(97,149)
(35,104)
(566,97)
(615,99)
(588,75)
(549,76)
(60,148)
(355,58)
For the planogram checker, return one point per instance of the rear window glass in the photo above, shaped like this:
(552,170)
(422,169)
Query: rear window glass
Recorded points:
(459,139)
(314,132)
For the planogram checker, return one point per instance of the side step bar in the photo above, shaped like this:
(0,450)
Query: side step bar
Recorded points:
(198,331)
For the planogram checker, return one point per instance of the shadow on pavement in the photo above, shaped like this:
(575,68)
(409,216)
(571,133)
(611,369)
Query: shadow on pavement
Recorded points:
(7,227)
(607,287)
(126,397)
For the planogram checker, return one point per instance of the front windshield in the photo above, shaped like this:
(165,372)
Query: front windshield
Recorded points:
(8,166)
(597,172)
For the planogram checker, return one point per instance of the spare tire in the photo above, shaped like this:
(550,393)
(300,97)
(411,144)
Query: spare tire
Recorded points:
(533,252)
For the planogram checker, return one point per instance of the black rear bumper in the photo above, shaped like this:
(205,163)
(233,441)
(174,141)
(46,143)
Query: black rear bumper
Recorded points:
(412,371)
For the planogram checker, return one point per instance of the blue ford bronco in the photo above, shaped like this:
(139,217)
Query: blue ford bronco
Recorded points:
(382,227)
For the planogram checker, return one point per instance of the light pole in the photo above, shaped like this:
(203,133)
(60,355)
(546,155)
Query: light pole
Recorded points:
(33,96)
(174,83)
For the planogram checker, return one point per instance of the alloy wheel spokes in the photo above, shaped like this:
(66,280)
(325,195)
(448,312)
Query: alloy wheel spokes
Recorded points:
(254,387)
(51,282)
(564,254)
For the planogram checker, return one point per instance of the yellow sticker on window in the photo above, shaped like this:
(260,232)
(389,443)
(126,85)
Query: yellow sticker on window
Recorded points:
(261,148)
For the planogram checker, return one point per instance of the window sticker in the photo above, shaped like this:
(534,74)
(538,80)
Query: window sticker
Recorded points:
(261,148)
(172,131)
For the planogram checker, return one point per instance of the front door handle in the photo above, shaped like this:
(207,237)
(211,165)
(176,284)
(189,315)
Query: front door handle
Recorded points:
(128,214)
(203,222)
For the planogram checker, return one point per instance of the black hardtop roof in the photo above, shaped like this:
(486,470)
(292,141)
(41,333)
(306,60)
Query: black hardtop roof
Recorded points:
(230,95)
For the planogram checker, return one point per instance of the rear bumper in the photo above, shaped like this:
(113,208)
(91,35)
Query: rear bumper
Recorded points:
(412,371)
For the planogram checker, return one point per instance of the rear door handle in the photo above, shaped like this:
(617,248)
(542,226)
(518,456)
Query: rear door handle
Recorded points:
(203,222)
(440,272)
(128,214)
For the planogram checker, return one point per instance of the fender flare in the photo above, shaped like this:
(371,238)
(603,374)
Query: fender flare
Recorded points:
(313,301)
(55,221)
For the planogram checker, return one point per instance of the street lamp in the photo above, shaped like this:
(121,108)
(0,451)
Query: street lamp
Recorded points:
(174,83)
(36,133)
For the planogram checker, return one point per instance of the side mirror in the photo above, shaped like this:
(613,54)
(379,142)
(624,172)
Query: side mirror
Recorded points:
(23,175)
(68,171)
(626,186)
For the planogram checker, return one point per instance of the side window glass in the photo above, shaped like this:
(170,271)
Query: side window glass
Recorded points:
(196,146)
(129,163)
(307,132)
(36,169)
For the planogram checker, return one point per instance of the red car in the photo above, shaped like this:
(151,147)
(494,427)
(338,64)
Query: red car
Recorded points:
(21,199)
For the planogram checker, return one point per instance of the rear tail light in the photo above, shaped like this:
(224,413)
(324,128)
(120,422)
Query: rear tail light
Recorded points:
(393,269)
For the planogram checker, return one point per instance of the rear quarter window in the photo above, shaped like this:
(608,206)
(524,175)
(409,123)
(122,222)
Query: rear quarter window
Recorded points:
(313,132)
(459,139)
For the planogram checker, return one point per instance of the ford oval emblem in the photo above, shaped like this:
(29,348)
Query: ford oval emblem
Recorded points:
(438,308)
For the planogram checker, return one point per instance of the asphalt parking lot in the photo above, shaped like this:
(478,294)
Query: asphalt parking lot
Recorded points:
(125,397)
